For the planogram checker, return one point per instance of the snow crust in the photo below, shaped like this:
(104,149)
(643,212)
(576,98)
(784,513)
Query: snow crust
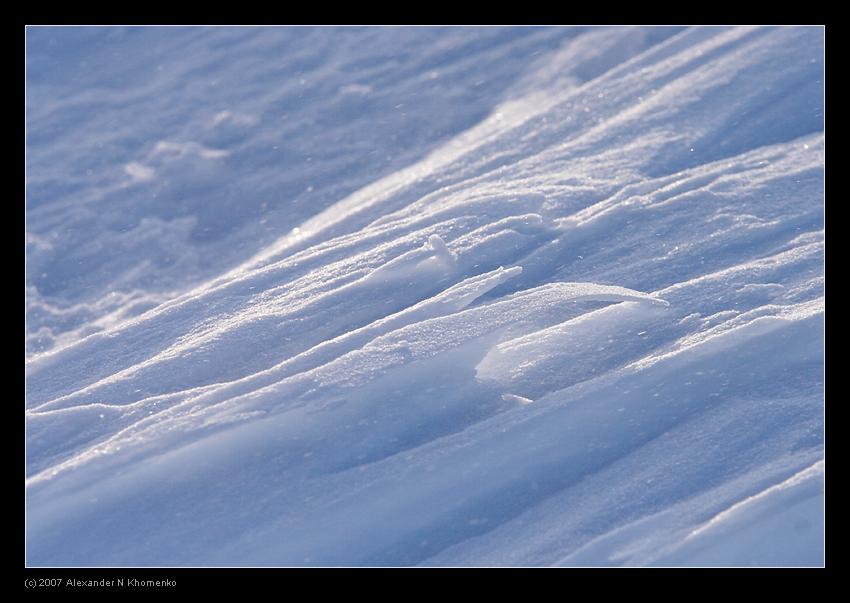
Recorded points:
(425,296)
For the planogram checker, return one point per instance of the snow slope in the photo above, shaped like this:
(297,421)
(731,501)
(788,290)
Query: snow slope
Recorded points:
(425,296)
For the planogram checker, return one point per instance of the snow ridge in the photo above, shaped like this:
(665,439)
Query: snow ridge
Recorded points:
(579,322)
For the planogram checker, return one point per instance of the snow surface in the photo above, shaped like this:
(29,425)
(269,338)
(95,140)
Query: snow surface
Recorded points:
(425,296)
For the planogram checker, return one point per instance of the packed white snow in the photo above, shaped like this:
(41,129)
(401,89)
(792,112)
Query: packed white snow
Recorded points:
(425,296)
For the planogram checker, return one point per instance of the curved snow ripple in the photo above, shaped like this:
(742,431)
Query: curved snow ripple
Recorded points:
(586,331)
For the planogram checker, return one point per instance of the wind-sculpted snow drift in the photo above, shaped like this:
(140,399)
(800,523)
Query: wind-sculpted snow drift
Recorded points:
(579,322)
